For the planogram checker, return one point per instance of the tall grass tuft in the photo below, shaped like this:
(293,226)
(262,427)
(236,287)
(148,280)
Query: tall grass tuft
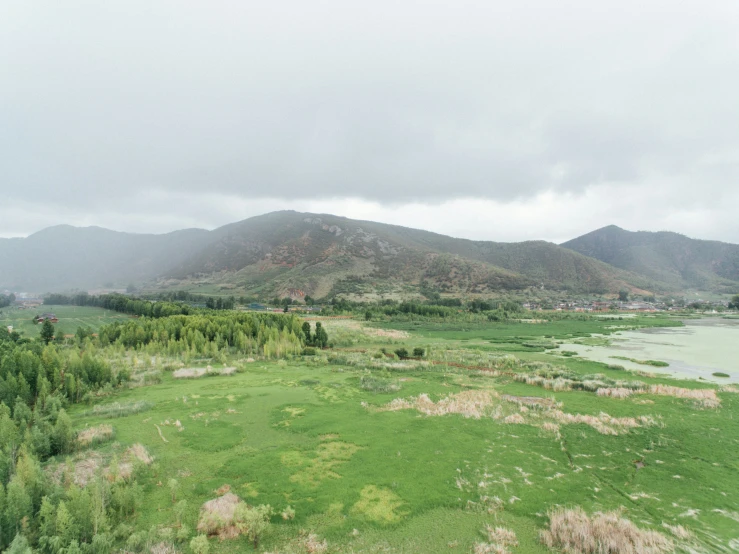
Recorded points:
(377,384)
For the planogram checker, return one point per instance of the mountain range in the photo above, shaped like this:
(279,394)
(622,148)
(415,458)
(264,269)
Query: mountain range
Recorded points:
(296,253)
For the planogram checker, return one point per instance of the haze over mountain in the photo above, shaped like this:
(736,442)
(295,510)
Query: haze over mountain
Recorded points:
(321,255)
(671,258)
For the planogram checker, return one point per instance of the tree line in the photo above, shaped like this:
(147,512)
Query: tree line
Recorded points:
(6,300)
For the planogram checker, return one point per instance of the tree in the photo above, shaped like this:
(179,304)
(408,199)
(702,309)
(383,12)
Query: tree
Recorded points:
(307,333)
(734,302)
(321,337)
(47,331)
(253,521)
(174,486)
(18,507)
(623,295)
(63,436)
(19,546)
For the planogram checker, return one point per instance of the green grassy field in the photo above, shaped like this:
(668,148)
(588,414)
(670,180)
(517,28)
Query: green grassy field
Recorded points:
(70,318)
(309,433)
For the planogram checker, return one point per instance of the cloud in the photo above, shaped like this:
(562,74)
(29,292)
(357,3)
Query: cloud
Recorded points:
(127,108)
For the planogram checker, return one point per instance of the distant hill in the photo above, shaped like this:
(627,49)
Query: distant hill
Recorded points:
(675,260)
(65,257)
(321,255)
(325,254)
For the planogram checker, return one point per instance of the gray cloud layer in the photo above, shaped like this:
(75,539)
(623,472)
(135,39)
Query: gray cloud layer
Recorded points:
(106,104)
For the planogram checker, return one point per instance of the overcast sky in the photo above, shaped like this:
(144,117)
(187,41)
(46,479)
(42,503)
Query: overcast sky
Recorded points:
(481,119)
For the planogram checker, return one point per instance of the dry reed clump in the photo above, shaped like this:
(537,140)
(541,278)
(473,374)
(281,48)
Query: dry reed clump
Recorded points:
(603,423)
(499,540)
(163,548)
(515,419)
(189,373)
(217,516)
(312,544)
(705,398)
(728,388)
(550,427)
(133,455)
(573,531)
(614,392)
(678,531)
(80,470)
(488,548)
(471,403)
(92,435)
(477,404)
(530,401)
(138,452)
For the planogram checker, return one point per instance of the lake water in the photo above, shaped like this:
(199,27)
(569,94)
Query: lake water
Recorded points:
(702,347)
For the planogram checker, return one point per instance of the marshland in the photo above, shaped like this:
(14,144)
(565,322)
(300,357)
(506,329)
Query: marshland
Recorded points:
(231,432)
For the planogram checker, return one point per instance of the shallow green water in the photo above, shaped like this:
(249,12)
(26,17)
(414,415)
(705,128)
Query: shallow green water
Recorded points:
(702,347)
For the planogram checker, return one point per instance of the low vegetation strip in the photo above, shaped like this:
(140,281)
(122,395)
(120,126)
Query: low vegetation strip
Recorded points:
(119,409)
(653,363)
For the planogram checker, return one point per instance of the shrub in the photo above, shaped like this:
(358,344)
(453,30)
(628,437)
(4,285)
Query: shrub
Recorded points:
(199,545)
(401,353)
(418,352)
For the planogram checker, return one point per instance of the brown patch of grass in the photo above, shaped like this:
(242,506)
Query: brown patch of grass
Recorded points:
(573,531)
(223,490)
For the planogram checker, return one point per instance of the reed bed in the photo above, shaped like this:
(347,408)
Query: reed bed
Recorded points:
(573,531)
(94,435)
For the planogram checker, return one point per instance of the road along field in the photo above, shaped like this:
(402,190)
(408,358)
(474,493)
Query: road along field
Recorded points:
(490,442)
